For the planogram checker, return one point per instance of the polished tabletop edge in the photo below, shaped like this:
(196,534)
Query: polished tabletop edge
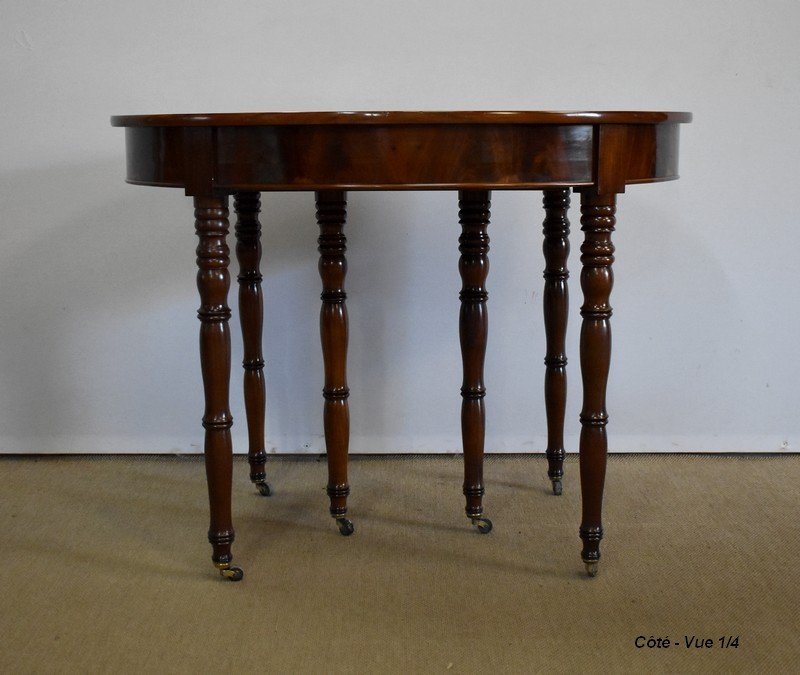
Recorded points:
(400,117)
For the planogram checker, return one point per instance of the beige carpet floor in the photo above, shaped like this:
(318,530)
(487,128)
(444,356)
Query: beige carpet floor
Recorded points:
(106,569)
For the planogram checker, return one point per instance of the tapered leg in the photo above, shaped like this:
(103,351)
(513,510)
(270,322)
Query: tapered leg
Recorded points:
(331,216)
(251,315)
(597,279)
(556,306)
(473,329)
(213,282)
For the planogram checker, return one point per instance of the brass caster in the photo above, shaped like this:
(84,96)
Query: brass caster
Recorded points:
(591,568)
(556,486)
(346,527)
(263,488)
(484,525)
(231,573)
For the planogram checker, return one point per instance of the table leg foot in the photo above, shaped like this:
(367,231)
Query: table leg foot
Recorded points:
(263,488)
(483,524)
(227,571)
(590,554)
(258,476)
(338,496)
(557,487)
(345,525)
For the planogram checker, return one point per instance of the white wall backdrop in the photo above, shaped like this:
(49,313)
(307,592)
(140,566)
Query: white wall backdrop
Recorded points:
(98,337)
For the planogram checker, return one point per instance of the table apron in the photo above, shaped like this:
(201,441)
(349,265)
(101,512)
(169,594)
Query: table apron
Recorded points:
(400,157)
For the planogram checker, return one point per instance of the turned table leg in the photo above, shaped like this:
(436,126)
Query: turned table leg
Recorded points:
(597,279)
(556,306)
(331,216)
(473,266)
(251,316)
(213,281)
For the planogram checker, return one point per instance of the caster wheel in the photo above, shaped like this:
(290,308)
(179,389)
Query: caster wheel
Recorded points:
(484,525)
(263,488)
(557,487)
(232,573)
(346,527)
(591,568)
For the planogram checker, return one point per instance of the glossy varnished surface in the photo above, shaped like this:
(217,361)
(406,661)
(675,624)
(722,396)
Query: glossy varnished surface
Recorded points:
(556,305)
(333,327)
(402,117)
(403,156)
(251,318)
(400,150)
(596,153)
(473,329)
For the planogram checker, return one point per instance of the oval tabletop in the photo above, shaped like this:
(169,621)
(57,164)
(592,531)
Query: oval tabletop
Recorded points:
(213,155)
(395,150)
(401,117)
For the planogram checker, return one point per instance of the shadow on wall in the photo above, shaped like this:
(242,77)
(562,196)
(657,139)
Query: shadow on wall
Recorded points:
(392,293)
(100,354)
(100,337)
(89,271)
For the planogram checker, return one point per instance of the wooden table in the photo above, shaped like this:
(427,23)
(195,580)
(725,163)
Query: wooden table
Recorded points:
(213,156)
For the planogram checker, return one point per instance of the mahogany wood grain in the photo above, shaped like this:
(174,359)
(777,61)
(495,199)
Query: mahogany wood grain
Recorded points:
(597,279)
(402,156)
(331,216)
(213,282)
(211,156)
(443,117)
(473,265)
(251,316)
(399,156)
(556,310)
